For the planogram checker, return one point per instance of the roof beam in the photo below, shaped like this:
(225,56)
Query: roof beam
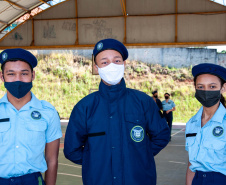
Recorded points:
(15,4)
(45,2)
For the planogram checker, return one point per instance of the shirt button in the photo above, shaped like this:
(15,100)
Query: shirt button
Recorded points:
(17,146)
(204,175)
(113,147)
(111,117)
(114,177)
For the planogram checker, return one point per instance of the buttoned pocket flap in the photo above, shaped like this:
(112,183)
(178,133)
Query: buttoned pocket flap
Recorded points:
(134,118)
(38,126)
(4,126)
(215,144)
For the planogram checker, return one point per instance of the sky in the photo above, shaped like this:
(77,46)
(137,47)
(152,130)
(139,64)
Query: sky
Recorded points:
(219,48)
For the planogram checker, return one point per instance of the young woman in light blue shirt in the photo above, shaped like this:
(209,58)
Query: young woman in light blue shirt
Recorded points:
(206,131)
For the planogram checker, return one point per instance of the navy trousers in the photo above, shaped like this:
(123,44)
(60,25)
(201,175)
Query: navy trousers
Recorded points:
(209,178)
(169,120)
(29,179)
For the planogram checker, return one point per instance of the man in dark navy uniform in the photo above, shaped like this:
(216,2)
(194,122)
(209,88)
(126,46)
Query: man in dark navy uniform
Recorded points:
(156,99)
(115,133)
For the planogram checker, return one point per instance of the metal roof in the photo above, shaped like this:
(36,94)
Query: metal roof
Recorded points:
(11,10)
(81,23)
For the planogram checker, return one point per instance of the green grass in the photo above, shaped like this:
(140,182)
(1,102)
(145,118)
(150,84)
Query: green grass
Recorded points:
(63,82)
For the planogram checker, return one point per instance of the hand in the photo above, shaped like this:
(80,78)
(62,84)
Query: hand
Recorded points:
(167,112)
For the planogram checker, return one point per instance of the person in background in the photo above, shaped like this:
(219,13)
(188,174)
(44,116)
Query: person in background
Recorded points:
(115,133)
(168,108)
(29,128)
(155,98)
(206,131)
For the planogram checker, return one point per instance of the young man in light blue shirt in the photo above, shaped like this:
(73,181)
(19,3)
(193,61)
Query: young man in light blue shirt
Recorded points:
(28,126)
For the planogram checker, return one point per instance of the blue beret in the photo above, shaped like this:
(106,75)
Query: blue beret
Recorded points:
(18,54)
(110,44)
(207,68)
(154,92)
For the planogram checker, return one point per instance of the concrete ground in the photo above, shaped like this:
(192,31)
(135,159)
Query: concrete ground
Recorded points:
(171,162)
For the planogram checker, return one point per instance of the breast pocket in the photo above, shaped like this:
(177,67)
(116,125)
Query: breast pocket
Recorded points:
(135,128)
(215,150)
(4,131)
(36,132)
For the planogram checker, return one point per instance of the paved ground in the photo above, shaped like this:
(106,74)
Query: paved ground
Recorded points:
(171,162)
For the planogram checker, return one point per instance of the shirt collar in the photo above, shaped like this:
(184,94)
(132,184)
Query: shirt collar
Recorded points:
(112,92)
(35,103)
(4,99)
(219,114)
(198,115)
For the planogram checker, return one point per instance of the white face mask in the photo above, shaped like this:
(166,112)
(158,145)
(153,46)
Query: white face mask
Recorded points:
(111,74)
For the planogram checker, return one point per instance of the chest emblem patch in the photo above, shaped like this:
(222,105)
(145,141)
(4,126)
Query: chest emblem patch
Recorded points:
(137,133)
(218,131)
(36,115)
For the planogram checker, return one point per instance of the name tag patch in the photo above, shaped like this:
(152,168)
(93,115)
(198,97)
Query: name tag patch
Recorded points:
(218,131)
(137,133)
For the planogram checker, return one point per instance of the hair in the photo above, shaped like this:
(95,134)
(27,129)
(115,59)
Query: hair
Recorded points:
(14,60)
(167,94)
(222,99)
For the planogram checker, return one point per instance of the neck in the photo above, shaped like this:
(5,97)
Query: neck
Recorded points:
(19,103)
(208,113)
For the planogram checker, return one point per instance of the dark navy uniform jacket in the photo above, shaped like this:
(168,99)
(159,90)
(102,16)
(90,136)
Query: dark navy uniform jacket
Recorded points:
(105,136)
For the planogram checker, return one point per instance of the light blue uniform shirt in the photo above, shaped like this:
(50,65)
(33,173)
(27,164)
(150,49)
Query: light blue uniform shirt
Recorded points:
(168,105)
(207,150)
(24,134)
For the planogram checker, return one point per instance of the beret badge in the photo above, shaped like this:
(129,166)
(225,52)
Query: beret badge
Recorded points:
(99,46)
(4,56)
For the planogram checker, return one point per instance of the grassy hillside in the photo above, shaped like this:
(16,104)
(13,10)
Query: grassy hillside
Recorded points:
(63,79)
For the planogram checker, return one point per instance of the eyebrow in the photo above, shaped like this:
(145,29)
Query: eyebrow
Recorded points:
(208,84)
(24,70)
(117,57)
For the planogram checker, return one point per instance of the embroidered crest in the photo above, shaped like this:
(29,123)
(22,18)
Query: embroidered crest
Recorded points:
(4,56)
(218,131)
(137,133)
(36,115)
(99,46)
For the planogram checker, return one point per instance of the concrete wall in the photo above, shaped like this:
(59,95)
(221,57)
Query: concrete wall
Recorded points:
(172,57)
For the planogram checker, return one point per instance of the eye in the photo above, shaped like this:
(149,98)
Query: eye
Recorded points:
(104,63)
(199,87)
(212,87)
(10,74)
(23,74)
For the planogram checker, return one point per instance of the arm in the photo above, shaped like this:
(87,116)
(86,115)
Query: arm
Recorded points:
(158,129)
(51,155)
(75,136)
(171,110)
(189,175)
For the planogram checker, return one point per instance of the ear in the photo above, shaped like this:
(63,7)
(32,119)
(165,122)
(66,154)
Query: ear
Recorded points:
(33,76)
(95,68)
(223,89)
(1,76)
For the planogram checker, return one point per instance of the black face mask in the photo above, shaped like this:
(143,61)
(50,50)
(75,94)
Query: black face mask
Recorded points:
(166,97)
(208,98)
(156,96)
